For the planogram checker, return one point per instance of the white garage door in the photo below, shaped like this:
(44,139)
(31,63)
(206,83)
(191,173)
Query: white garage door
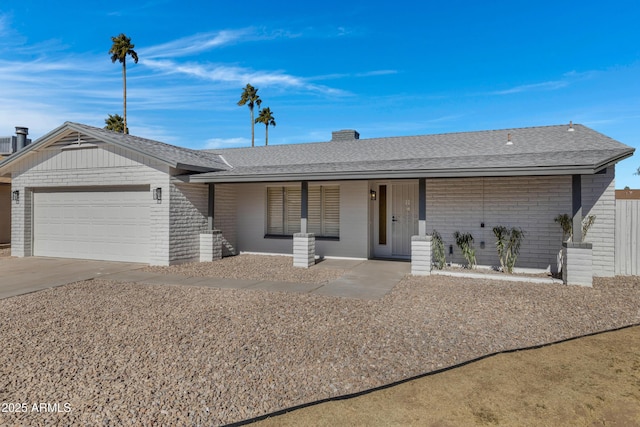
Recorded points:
(102,224)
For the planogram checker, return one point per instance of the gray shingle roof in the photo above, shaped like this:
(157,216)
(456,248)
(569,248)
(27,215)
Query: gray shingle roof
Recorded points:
(177,157)
(535,150)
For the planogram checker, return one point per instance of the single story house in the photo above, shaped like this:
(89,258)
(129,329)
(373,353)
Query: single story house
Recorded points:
(85,192)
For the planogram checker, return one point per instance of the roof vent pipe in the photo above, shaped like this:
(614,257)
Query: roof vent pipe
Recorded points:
(21,137)
(571,129)
(509,142)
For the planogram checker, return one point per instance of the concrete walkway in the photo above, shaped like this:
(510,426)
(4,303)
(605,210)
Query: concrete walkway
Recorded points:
(370,279)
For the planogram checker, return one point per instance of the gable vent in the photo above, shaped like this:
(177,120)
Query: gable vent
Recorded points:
(345,135)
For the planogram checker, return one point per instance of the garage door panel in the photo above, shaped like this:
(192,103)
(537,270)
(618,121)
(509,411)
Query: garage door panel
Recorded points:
(102,224)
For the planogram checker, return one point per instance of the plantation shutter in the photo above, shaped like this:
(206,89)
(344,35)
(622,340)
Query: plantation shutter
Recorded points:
(331,211)
(293,197)
(275,210)
(314,223)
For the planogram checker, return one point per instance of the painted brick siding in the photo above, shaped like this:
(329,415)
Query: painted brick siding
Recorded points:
(530,203)
(225,217)
(187,219)
(599,199)
(101,166)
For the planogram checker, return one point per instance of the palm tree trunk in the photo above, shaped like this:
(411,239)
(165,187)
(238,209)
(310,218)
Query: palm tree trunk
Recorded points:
(266,139)
(252,131)
(124,92)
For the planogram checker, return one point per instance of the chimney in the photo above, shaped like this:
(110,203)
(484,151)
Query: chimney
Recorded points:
(21,137)
(345,135)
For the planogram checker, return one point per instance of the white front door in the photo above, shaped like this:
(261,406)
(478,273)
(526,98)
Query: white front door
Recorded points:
(395,219)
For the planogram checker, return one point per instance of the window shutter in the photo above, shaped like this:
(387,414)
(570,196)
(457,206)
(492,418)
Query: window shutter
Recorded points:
(331,211)
(314,223)
(292,210)
(275,205)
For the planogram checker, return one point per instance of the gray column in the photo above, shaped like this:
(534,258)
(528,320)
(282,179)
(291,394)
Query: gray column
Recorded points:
(304,207)
(212,204)
(422,207)
(576,208)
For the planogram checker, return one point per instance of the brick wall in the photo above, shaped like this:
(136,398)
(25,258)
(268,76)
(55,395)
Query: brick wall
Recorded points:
(225,217)
(187,219)
(530,203)
(599,199)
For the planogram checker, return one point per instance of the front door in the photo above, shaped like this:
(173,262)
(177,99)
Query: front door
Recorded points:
(395,219)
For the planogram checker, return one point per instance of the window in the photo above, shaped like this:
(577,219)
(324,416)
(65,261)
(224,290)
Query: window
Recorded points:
(283,210)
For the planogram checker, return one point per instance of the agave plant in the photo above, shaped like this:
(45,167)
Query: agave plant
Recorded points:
(465,242)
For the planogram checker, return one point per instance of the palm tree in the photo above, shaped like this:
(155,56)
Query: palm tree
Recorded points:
(250,97)
(119,50)
(267,118)
(114,123)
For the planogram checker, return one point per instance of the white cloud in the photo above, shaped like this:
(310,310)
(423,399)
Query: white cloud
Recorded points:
(194,44)
(237,75)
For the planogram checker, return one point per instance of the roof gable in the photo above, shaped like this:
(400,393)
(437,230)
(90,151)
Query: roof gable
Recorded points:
(173,156)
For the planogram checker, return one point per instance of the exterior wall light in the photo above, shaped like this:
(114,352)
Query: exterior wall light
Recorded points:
(157,194)
(372,195)
(15,196)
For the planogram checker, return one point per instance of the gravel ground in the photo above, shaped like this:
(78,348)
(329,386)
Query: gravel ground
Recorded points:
(258,267)
(131,354)
(5,252)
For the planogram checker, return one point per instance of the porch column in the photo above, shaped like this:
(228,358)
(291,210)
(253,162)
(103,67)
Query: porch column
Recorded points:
(211,205)
(422,207)
(421,244)
(577,268)
(576,208)
(211,239)
(304,244)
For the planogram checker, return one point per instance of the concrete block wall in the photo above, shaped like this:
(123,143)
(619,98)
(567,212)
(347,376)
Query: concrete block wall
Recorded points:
(187,220)
(304,250)
(225,217)
(210,245)
(530,203)
(577,264)
(421,255)
(104,165)
(599,199)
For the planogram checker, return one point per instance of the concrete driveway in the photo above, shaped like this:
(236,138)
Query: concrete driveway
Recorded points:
(23,275)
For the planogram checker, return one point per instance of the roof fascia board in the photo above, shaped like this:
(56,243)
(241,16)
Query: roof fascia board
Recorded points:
(35,145)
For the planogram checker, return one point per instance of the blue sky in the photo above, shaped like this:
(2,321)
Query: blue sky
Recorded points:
(383,68)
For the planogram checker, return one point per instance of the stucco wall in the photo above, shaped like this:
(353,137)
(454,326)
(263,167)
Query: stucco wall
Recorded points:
(251,206)
(5,213)
(530,203)
(102,166)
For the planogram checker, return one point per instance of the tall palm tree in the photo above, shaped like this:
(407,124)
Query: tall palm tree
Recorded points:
(250,97)
(114,123)
(122,47)
(267,118)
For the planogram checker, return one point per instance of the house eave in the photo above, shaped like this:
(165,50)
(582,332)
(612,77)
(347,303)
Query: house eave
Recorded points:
(397,174)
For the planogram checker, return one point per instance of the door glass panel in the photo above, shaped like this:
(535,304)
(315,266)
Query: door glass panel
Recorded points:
(382,215)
